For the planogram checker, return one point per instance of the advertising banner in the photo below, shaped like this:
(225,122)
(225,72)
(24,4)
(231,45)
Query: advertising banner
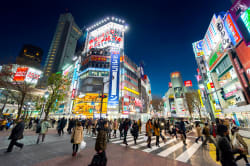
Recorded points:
(198,48)
(113,98)
(188,83)
(239,12)
(20,74)
(223,33)
(243,53)
(232,29)
(33,75)
(170,84)
(178,92)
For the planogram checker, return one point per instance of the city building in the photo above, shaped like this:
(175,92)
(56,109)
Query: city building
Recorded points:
(30,55)
(106,82)
(223,61)
(63,46)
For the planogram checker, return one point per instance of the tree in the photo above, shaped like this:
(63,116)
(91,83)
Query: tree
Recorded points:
(57,88)
(193,102)
(19,90)
(156,102)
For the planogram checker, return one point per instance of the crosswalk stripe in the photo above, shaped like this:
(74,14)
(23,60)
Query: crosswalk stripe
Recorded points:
(129,139)
(141,145)
(156,147)
(139,139)
(185,156)
(170,150)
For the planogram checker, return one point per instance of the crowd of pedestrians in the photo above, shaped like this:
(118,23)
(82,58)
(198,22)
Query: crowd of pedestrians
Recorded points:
(222,133)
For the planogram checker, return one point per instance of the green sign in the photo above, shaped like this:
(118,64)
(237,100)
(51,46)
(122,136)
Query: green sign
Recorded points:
(213,59)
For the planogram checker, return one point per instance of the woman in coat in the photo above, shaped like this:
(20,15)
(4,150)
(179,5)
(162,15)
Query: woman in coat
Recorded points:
(238,141)
(157,132)
(198,132)
(44,129)
(77,137)
(149,129)
(135,131)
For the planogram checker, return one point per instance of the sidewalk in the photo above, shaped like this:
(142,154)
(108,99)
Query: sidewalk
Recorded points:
(245,133)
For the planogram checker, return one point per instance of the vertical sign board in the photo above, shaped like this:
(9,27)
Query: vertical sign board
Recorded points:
(223,33)
(232,29)
(113,98)
(198,48)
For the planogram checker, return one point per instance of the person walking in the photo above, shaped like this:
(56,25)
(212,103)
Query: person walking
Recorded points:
(44,129)
(125,129)
(183,131)
(16,134)
(135,131)
(115,127)
(156,127)
(101,142)
(149,129)
(198,132)
(77,137)
(139,125)
(206,132)
(53,122)
(224,151)
(213,130)
(238,142)
(121,128)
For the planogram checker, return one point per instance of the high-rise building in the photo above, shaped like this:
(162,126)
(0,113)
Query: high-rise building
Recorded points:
(63,45)
(30,55)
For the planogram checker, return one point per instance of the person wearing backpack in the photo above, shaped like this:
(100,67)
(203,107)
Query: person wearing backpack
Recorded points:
(206,132)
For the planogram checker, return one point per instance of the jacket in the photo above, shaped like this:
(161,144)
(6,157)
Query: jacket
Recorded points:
(135,129)
(157,130)
(139,123)
(44,127)
(77,134)
(17,131)
(149,129)
(225,152)
(101,140)
(198,131)
(182,126)
(115,125)
(207,132)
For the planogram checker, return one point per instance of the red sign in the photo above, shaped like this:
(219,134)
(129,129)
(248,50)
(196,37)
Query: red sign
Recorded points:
(170,84)
(211,85)
(243,53)
(230,93)
(20,73)
(233,29)
(188,83)
(98,58)
(73,94)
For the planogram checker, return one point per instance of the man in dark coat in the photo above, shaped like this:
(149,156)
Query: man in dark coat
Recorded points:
(224,151)
(135,131)
(16,134)
(183,131)
(125,128)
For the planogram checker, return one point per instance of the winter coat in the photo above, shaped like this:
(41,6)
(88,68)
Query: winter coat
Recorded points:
(101,140)
(198,131)
(149,129)
(115,125)
(44,127)
(241,141)
(207,132)
(77,134)
(135,130)
(17,131)
(225,152)
(126,126)
(157,130)
(139,123)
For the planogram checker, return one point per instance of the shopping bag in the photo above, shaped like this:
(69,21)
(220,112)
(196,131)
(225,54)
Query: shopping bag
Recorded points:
(83,145)
(145,138)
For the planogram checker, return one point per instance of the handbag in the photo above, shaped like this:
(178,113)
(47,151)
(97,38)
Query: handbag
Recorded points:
(83,145)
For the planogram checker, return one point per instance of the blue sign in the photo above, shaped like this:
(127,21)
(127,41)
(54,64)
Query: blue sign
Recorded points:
(113,98)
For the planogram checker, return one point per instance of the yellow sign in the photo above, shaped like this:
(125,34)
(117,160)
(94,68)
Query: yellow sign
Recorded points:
(200,98)
(131,90)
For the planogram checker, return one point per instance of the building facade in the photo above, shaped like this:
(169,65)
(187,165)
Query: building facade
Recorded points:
(63,46)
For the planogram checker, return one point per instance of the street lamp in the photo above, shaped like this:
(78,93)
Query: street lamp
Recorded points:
(46,95)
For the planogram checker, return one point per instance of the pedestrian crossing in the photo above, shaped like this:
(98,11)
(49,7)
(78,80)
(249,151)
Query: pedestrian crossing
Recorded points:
(172,147)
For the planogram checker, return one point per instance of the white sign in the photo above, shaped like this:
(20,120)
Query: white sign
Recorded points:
(33,75)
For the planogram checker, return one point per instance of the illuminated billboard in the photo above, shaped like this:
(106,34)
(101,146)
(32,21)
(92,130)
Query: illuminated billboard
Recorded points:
(198,48)
(225,40)
(110,34)
(113,99)
(20,74)
(232,29)
(188,83)
(29,75)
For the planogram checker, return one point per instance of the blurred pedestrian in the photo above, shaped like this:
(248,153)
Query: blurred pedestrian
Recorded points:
(121,128)
(135,131)
(125,129)
(206,132)
(16,134)
(77,137)
(183,131)
(44,129)
(238,142)
(139,125)
(156,128)
(198,133)
(149,132)
(115,127)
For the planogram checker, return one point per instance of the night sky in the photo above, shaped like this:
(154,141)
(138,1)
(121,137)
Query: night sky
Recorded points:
(160,32)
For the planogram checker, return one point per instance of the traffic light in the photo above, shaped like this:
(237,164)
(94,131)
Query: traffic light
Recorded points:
(223,93)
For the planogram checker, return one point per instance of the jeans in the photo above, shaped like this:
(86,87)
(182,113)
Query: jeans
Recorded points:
(38,138)
(157,140)
(135,138)
(149,141)
(12,143)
